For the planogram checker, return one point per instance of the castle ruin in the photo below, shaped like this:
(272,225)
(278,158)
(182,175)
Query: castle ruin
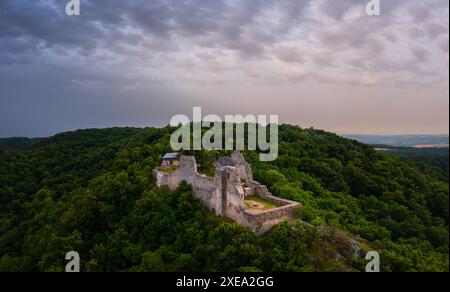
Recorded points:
(231,193)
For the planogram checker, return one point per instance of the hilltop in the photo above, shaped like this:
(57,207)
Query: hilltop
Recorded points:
(92,191)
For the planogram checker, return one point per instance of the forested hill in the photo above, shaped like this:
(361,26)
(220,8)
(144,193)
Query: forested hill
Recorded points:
(18,143)
(437,157)
(91,191)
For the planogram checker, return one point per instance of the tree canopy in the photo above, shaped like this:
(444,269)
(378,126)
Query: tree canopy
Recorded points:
(92,191)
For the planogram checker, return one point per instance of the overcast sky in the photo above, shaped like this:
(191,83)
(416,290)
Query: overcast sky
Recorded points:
(315,63)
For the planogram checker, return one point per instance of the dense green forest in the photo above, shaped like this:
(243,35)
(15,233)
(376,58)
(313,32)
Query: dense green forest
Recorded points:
(18,143)
(91,191)
(437,157)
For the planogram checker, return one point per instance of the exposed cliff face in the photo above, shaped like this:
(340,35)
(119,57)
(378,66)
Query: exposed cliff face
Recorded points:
(225,193)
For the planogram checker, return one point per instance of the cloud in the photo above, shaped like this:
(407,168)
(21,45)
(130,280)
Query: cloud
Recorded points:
(238,43)
(290,31)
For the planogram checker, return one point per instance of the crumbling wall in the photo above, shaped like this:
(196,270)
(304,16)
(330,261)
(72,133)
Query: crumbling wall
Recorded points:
(233,192)
(260,190)
(224,194)
(276,200)
(205,188)
(266,220)
(243,167)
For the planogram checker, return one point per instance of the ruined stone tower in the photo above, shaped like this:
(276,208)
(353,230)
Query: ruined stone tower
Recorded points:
(226,193)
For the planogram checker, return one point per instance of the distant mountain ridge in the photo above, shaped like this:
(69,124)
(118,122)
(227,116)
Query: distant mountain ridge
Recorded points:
(419,141)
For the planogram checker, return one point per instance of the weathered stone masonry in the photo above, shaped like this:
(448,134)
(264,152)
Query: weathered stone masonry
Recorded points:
(225,193)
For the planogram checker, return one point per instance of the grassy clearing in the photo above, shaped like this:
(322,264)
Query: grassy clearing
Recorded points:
(267,204)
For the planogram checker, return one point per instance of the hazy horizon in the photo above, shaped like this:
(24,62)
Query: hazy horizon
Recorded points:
(314,63)
(159,126)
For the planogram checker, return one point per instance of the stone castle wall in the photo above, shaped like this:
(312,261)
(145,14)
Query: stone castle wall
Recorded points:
(205,188)
(224,194)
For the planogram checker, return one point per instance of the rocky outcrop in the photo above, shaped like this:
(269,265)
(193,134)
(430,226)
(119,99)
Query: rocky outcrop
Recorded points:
(346,247)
